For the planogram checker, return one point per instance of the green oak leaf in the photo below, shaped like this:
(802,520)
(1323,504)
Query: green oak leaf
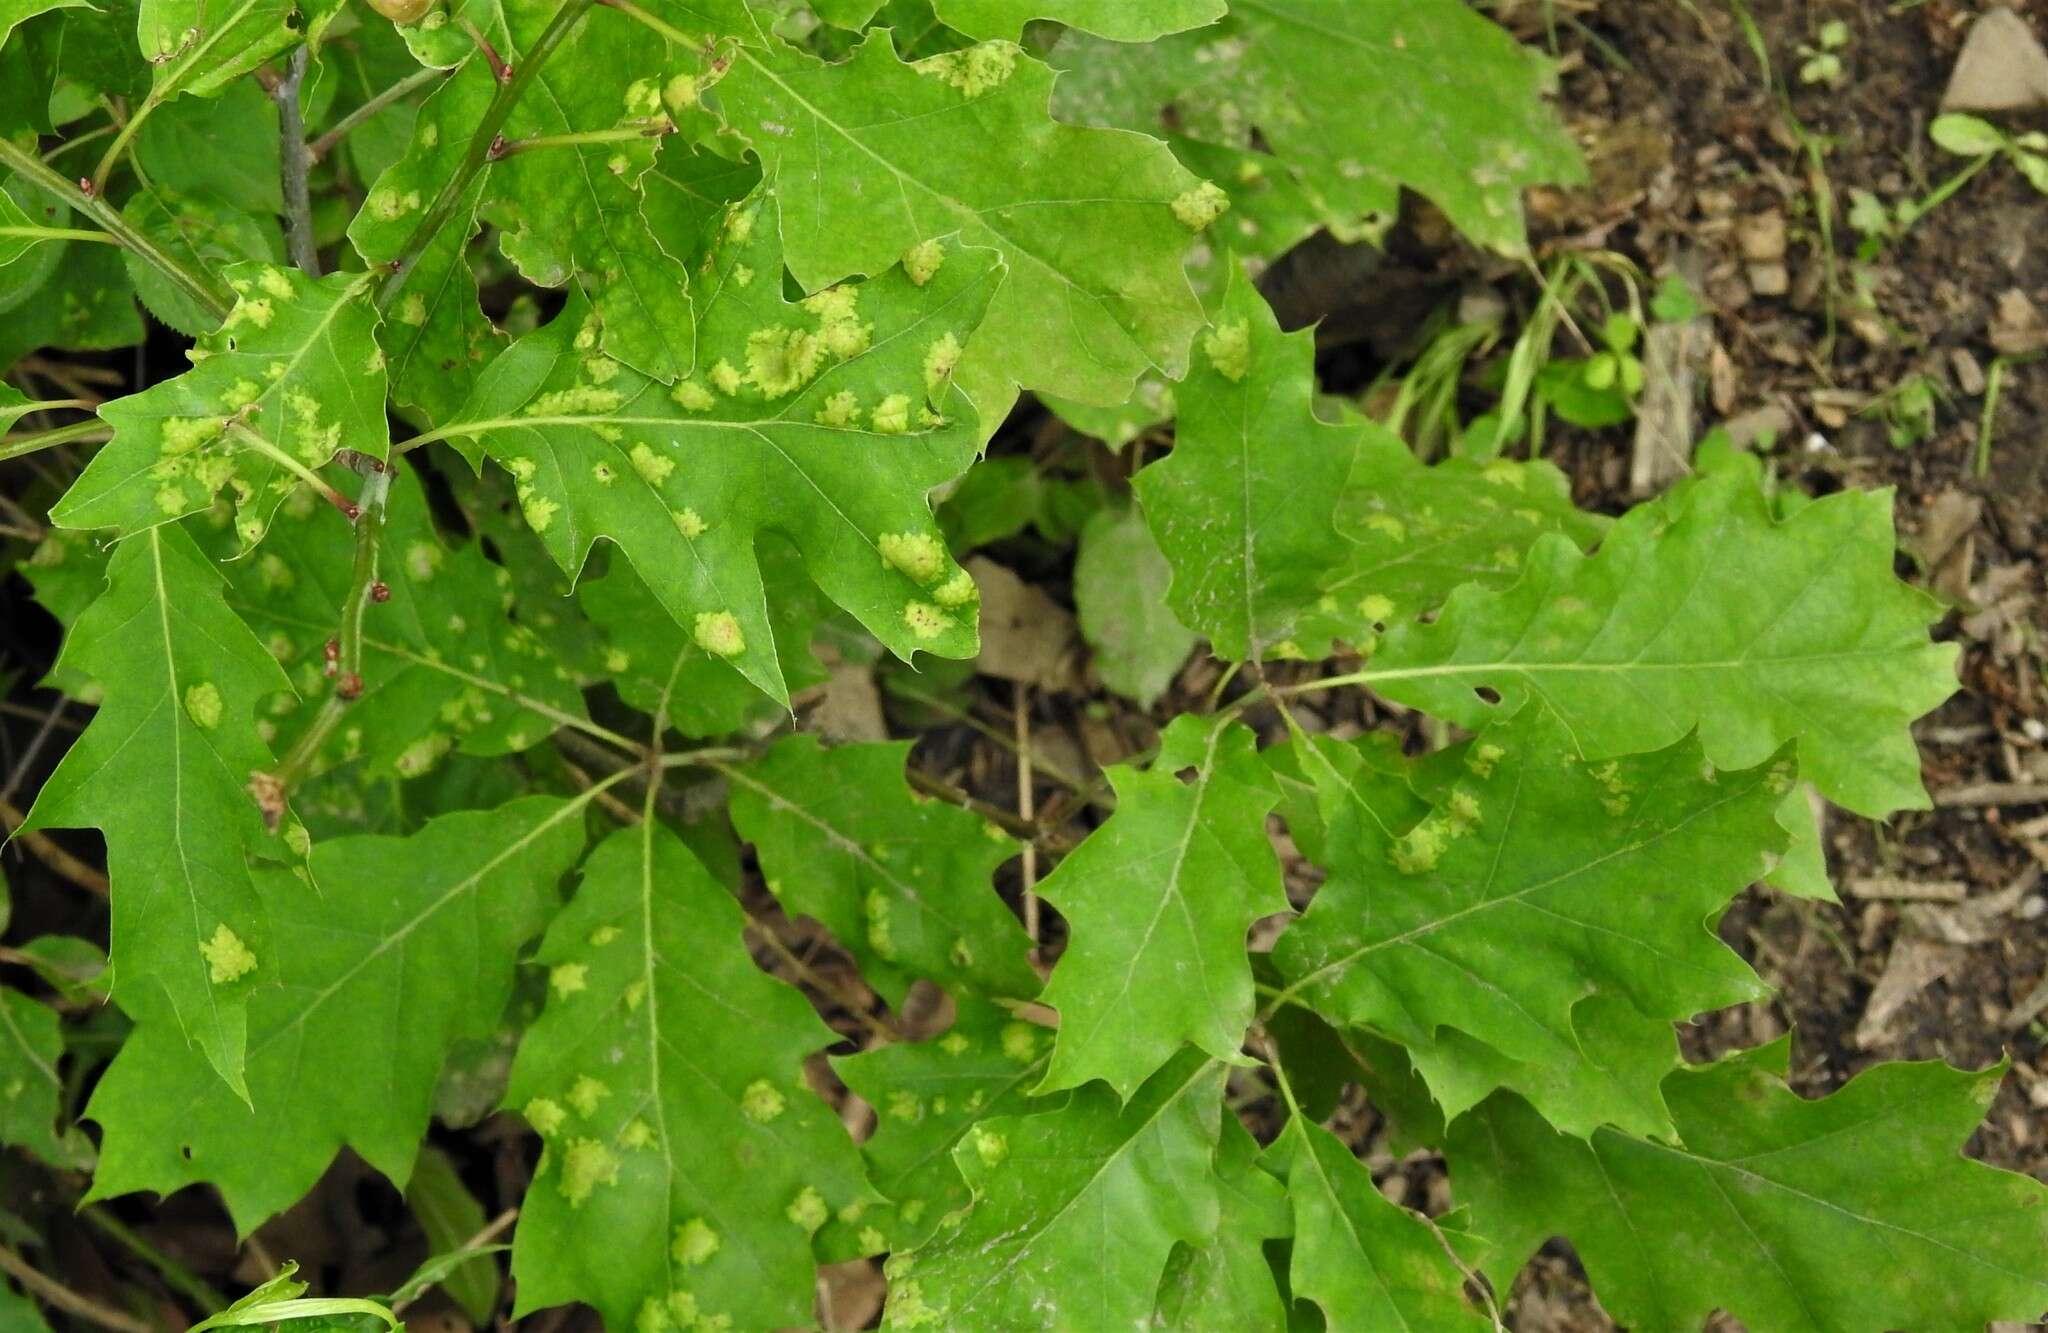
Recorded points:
(29,256)
(88,305)
(1418,533)
(1537,882)
(1849,1214)
(810,420)
(1244,507)
(658,668)
(411,947)
(1367,1262)
(435,335)
(444,664)
(293,376)
(1157,902)
(688,1163)
(224,148)
(1453,108)
(201,48)
(1118,20)
(162,771)
(880,159)
(902,881)
(1703,611)
(1227,1281)
(31,1090)
(927,1096)
(13,13)
(204,236)
(1120,583)
(1076,1210)
(574,212)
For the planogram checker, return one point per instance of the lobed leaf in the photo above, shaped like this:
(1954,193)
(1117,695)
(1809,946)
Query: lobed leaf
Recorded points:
(409,945)
(1703,611)
(901,881)
(1076,1210)
(293,377)
(928,1097)
(161,771)
(1452,107)
(1244,506)
(882,159)
(1367,1262)
(688,1164)
(1536,882)
(1851,1214)
(1158,901)
(823,437)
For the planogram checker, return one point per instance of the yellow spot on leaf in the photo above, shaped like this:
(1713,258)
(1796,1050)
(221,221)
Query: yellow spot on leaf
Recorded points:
(203,704)
(925,620)
(569,978)
(808,1209)
(694,1243)
(585,1094)
(654,468)
(762,1101)
(546,1116)
(1201,206)
(922,261)
(916,554)
(1229,347)
(718,633)
(227,958)
(1020,1041)
(974,71)
(586,1164)
(892,415)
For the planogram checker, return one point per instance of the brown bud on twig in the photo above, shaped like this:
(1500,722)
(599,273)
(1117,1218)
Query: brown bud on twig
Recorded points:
(380,591)
(350,687)
(333,656)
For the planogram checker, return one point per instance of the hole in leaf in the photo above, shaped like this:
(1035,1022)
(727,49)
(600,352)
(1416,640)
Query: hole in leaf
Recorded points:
(1488,695)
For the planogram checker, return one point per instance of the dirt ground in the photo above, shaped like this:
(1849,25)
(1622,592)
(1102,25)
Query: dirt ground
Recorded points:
(1939,949)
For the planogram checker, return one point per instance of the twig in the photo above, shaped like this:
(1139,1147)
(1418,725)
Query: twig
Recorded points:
(272,790)
(295,164)
(67,1300)
(53,856)
(405,87)
(510,89)
(1020,704)
(31,168)
(1031,830)
(1045,766)
(28,755)
(1994,793)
